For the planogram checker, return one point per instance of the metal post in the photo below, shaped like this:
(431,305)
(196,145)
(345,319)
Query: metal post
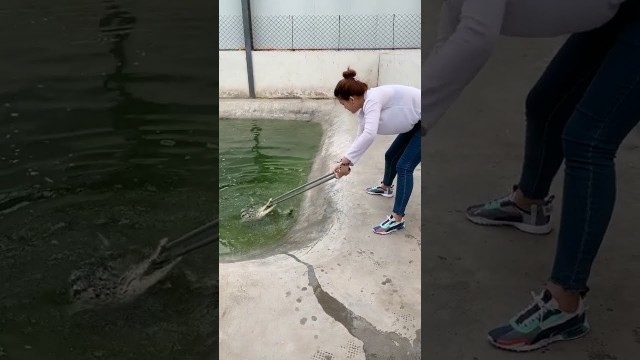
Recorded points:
(248,44)
(393,33)
(339,23)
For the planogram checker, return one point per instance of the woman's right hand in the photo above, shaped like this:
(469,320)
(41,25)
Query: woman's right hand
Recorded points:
(341,170)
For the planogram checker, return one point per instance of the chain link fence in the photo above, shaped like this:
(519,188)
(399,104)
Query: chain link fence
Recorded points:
(315,32)
(230,32)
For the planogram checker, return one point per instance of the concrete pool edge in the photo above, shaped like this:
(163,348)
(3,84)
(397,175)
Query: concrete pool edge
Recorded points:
(292,304)
(314,217)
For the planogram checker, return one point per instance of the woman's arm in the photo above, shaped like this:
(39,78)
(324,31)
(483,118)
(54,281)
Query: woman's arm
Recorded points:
(370,130)
(468,32)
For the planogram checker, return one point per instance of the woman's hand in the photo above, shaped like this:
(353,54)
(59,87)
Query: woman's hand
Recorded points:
(341,170)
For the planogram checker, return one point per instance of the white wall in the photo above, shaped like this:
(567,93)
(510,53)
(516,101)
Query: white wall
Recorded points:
(232,73)
(314,74)
(401,68)
(311,74)
(230,7)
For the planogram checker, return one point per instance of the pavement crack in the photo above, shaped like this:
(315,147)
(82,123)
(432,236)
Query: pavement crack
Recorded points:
(377,344)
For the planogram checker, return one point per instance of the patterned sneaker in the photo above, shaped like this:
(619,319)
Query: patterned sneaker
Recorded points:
(388,226)
(540,324)
(378,190)
(504,211)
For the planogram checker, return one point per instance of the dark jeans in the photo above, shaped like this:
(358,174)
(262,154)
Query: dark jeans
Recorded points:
(401,159)
(579,111)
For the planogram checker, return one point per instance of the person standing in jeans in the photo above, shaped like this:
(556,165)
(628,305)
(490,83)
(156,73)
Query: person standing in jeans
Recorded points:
(580,110)
(384,110)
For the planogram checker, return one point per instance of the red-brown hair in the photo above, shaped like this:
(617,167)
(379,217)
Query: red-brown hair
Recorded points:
(349,86)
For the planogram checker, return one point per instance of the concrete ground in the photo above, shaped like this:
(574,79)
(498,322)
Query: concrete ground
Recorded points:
(474,278)
(345,292)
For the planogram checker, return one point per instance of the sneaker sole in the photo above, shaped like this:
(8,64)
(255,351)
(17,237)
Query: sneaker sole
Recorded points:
(388,232)
(529,229)
(374,193)
(571,334)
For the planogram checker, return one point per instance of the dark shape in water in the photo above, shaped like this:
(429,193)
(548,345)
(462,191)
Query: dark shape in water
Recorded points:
(256,213)
(102,286)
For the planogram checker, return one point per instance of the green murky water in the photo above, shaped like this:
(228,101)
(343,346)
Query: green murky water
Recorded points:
(107,145)
(259,160)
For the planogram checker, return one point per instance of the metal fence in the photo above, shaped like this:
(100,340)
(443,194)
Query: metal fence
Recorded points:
(313,32)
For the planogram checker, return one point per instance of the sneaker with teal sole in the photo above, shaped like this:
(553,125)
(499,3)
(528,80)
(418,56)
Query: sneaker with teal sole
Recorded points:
(388,226)
(379,190)
(539,325)
(505,212)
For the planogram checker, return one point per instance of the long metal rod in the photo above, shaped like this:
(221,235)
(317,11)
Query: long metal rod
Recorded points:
(324,180)
(193,234)
(189,242)
(248,44)
(303,186)
(195,246)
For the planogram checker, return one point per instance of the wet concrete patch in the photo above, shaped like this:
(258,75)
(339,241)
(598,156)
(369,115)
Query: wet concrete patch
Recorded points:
(377,344)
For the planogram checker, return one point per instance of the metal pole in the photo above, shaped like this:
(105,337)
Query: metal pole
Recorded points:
(248,44)
(339,23)
(393,33)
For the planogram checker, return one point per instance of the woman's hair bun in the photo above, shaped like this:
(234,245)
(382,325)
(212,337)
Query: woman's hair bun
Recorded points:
(349,74)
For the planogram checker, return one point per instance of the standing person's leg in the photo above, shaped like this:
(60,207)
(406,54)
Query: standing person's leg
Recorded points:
(604,116)
(405,167)
(549,106)
(603,119)
(391,158)
(410,159)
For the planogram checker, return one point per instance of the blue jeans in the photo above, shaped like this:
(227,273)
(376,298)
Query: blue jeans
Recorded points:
(580,110)
(401,159)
